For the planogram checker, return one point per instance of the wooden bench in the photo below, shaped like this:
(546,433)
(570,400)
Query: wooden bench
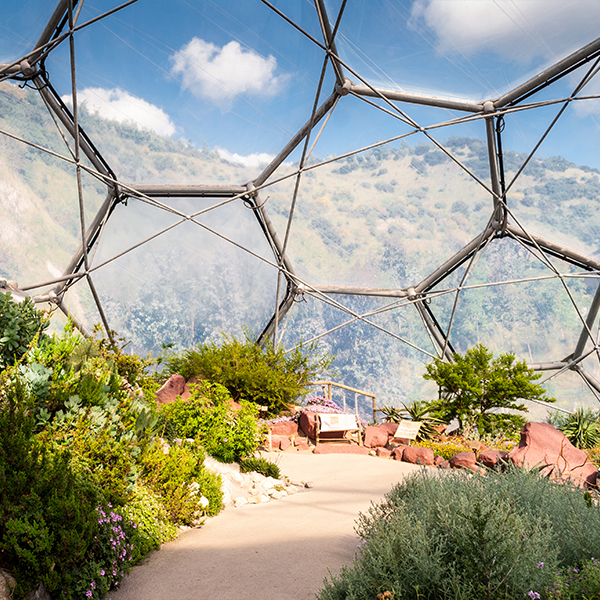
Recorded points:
(346,424)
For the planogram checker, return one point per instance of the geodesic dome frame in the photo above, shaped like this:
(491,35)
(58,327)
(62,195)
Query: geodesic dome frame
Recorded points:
(503,222)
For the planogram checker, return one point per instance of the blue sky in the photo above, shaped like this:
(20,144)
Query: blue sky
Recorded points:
(233,75)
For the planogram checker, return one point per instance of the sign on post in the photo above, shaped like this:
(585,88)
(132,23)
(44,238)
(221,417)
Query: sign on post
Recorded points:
(408,429)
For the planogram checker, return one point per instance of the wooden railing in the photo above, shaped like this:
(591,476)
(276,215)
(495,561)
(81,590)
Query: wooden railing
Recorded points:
(330,384)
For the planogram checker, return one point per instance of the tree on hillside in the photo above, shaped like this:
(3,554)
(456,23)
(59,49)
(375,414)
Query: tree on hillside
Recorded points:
(480,390)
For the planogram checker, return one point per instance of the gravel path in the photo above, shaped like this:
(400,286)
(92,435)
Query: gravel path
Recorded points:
(281,550)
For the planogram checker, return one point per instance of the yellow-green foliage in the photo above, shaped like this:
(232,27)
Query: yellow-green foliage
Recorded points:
(444,449)
(453,445)
(594,454)
(172,476)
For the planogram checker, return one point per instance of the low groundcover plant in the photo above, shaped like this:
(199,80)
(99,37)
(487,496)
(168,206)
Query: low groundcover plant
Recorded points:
(461,536)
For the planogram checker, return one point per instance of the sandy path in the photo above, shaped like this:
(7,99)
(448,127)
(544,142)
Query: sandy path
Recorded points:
(281,550)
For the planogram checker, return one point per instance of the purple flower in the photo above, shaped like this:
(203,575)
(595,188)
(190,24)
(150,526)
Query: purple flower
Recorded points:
(533,595)
(540,565)
(89,593)
(102,572)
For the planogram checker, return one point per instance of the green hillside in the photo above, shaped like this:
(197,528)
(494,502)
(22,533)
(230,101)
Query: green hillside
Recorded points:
(384,218)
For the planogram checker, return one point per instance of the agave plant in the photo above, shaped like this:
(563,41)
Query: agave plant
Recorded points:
(417,410)
(582,428)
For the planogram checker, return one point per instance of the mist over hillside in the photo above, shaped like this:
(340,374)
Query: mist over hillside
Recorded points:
(384,218)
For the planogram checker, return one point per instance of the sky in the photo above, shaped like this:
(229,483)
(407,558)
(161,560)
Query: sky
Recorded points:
(233,76)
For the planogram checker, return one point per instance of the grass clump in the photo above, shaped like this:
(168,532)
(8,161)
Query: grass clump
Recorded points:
(460,536)
(260,465)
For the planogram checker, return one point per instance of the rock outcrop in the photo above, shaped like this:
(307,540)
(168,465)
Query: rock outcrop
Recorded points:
(543,446)
(173,387)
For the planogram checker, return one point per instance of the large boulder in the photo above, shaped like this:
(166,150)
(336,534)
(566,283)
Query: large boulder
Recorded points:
(493,458)
(280,442)
(284,428)
(466,460)
(390,428)
(417,455)
(376,436)
(398,452)
(308,423)
(542,445)
(173,387)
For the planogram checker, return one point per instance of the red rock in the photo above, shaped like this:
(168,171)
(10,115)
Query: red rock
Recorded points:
(389,427)
(308,423)
(284,428)
(439,460)
(397,452)
(466,460)
(173,387)
(302,446)
(281,442)
(375,436)
(543,445)
(340,449)
(417,455)
(493,458)
(383,452)
(187,390)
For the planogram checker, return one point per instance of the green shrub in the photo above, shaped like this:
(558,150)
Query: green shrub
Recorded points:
(464,536)
(153,526)
(266,376)
(180,479)
(20,323)
(260,465)
(102,448)
(453,445)
(47,511)
(208,416)
(73,367)
(137,371)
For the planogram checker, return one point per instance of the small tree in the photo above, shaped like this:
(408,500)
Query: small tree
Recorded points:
(477,385)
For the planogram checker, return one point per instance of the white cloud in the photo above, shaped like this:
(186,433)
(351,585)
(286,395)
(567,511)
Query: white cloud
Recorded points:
(119,105)
(251,160)
(519,30)
(220,74)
